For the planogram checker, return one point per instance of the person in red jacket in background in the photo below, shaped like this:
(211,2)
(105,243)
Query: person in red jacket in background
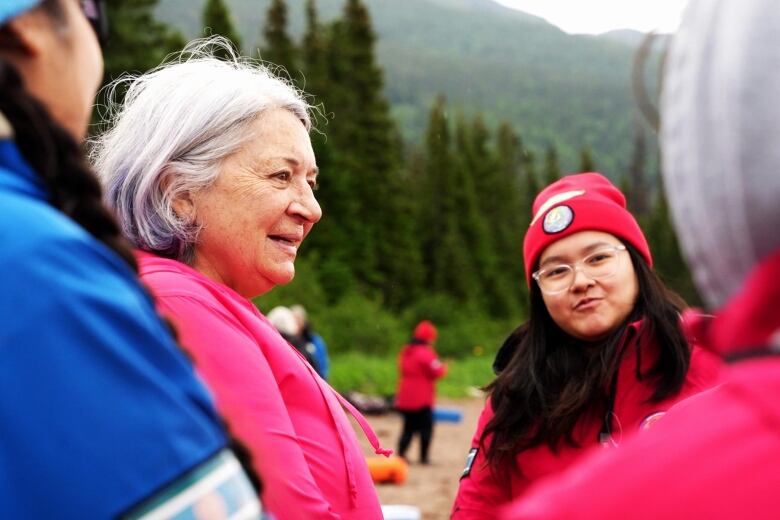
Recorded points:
(419,368)
(716,455)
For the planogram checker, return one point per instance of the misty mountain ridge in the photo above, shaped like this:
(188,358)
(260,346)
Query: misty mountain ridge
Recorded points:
(555,88)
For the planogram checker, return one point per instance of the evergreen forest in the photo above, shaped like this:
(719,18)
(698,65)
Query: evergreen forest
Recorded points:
(426,183)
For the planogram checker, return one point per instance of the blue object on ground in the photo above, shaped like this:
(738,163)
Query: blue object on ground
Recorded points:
(452,415)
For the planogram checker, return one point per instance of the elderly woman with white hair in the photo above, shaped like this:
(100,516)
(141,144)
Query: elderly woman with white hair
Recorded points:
(209,167)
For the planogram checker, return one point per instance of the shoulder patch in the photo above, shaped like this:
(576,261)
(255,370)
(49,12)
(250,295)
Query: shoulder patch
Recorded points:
(469,462)
(216,489)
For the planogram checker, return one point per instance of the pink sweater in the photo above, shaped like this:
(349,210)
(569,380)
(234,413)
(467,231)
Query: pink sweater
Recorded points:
(302,444)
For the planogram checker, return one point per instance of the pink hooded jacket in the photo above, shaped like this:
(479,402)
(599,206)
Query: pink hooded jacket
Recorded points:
(301,442)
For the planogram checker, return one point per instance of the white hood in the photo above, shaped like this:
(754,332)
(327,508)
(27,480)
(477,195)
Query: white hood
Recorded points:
(720,138)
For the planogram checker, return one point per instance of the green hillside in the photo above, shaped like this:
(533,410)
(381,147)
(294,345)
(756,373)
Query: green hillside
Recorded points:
(553,87)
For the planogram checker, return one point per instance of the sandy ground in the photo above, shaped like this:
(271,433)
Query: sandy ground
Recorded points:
(431,488)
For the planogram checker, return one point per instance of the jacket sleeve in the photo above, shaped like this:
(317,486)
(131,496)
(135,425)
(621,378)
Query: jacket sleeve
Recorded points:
(480,493)
(433,366)
(99,408)
(248,397)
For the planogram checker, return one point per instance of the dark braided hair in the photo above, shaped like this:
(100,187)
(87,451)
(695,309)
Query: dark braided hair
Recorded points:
(58,159)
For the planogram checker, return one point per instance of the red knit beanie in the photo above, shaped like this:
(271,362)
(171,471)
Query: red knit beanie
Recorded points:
(582,202)
(425,331)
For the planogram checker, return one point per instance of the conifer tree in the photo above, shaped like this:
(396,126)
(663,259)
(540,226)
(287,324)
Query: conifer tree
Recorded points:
(586,160)
(335,239)
(399,255)
(637,192)
(475,172)
(315,82)
(667,257)
(138,42)
(624,185)
(279,48)
(217,20)
(515,214)
(473,147)
(444,248)
(530,183)
(368,142)
(529,189)
(364,195)
(494,173)
(313,54)
(552,168)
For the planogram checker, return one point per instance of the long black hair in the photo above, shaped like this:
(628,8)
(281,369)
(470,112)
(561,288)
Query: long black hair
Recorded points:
(552,380)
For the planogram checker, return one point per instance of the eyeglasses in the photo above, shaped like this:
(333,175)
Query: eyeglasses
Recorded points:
(597,265)
(95,12)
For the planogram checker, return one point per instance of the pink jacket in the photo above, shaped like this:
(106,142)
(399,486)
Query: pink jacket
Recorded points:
(301,442)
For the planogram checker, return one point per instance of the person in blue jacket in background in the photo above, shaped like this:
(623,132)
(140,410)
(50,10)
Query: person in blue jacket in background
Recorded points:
(101,415)
(314,340)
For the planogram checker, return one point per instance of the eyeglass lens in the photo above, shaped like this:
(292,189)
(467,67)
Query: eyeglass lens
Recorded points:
(599,264)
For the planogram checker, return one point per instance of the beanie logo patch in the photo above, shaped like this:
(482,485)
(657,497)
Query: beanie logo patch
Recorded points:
(557,219)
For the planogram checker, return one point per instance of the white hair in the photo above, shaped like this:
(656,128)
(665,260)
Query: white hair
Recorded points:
(284,320)
(169,136)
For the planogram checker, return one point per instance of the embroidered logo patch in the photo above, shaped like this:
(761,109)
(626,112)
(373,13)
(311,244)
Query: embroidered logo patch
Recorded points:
(469,462)
(650,421)
(557,219)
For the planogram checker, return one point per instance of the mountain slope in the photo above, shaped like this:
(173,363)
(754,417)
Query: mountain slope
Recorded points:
(553,87)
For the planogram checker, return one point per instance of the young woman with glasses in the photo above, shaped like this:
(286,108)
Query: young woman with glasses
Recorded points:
(602,355)
(101,413)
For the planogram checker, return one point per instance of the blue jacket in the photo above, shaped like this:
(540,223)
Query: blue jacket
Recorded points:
(98,407)
(321,354)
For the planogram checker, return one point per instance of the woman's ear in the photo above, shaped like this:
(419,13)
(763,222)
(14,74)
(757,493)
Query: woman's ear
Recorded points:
(182,200)
(183,205)
(25,36)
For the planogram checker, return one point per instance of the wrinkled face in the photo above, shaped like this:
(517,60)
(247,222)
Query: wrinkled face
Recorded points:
(591,308)
(260,208)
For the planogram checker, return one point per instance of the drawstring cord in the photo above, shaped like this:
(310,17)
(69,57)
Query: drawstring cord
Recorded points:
(367,430)
(325,389)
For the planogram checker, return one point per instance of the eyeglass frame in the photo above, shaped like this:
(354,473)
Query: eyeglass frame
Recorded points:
(96,13)
(576,266)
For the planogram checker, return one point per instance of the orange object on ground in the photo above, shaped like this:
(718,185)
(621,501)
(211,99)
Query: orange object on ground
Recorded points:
(387,470)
